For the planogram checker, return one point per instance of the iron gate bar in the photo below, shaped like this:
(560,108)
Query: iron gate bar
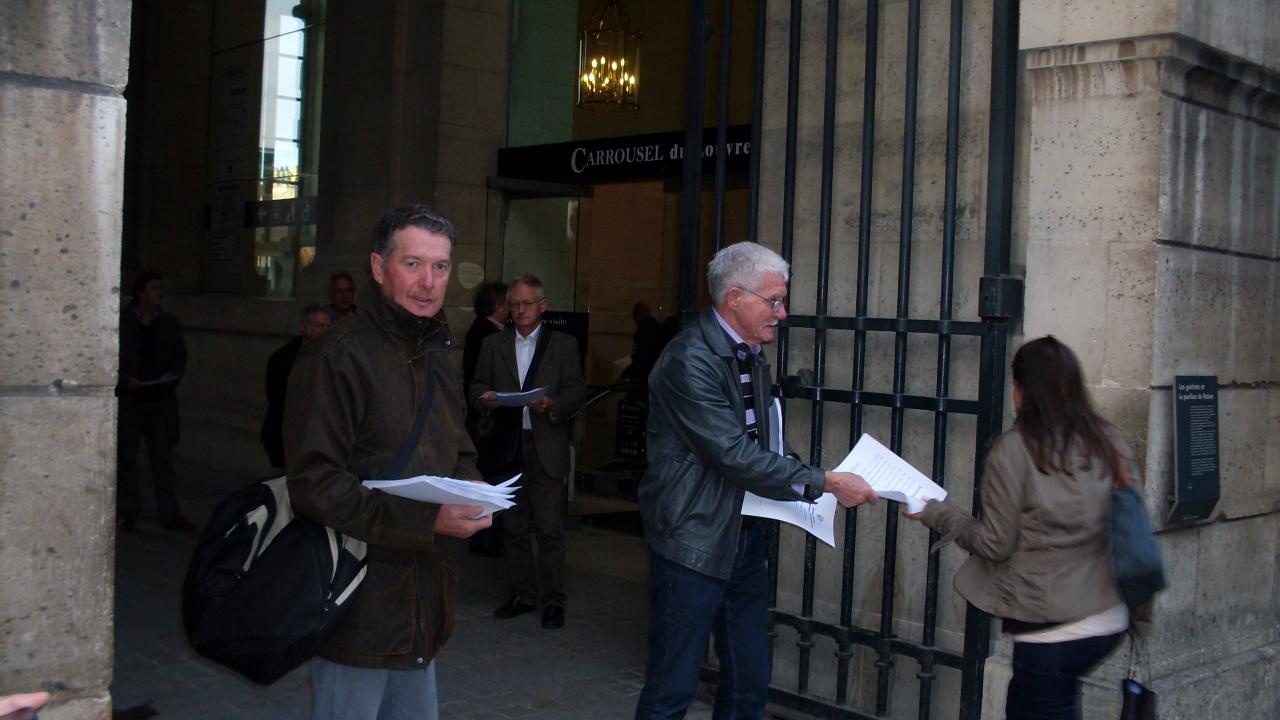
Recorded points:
(945,302)
(722,127)
(844,653)
(995,343)
(788,244)
(691,175)
(757,119)
(908,325)
(805,641)
(884,664)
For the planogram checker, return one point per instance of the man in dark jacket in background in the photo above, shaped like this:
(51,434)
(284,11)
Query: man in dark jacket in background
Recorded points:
(316,319)
(153,357)
(490,304)
(352,401)
(712,438)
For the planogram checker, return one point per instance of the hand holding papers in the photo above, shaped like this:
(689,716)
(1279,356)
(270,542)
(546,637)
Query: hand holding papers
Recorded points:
(449,491)
(520,399)
(889,475)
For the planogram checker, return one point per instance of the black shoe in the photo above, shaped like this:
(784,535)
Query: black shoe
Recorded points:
(553,617)
(179,524)
(515,606)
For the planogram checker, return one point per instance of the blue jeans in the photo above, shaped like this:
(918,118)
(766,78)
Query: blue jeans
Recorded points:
(343,692)
(1046,677)
(686,607)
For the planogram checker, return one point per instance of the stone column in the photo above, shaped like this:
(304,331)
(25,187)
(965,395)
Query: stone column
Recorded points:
(62,119)
(1152,240)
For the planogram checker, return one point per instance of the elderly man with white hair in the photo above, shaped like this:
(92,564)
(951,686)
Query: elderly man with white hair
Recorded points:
(711,441)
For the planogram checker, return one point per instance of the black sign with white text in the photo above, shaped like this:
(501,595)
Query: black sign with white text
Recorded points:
(655,156)
(1196,454)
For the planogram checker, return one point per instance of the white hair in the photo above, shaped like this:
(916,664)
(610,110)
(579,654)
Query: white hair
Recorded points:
(742,265)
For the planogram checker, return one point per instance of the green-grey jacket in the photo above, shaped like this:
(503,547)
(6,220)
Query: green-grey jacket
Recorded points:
(352,400)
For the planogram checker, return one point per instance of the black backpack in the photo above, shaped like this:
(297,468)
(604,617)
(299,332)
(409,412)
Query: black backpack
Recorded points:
(266,587)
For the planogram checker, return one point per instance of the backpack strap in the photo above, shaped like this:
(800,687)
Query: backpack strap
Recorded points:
(405,453)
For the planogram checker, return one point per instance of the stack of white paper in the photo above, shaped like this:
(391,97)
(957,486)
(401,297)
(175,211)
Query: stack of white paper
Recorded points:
(889,475)
(520,399)
(450,491)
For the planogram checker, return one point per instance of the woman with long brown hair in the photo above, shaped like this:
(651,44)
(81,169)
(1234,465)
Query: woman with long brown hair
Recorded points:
(1040,554)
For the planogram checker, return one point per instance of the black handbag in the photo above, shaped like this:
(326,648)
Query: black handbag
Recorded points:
(1135,552)
(1137,701)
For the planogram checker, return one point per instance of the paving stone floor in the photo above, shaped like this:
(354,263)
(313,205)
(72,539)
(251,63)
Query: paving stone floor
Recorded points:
(592,668)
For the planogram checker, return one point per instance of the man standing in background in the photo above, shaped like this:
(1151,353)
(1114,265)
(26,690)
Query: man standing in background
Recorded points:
(342,294)
(525,357)
(153,357)
(315,320)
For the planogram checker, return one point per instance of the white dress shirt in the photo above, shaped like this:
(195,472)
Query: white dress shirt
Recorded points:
(525,347)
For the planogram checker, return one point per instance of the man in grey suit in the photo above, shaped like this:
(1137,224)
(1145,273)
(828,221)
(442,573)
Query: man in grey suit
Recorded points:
(525,357)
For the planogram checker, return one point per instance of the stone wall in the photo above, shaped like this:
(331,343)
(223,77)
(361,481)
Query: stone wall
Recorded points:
(62,124)
(1151,164)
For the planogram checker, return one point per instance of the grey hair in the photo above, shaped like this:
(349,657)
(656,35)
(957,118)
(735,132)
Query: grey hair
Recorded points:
(742,265)
(527,279)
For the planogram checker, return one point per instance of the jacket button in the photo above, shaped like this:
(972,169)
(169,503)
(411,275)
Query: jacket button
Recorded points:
(420,661)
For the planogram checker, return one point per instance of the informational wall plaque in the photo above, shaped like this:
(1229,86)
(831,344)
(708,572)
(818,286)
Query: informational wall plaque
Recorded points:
(1196,451)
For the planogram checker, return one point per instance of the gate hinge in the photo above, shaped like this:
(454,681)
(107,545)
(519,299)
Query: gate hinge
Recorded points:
(1000,297)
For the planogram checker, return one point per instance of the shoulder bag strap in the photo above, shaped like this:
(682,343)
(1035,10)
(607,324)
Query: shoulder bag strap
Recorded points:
(403,455)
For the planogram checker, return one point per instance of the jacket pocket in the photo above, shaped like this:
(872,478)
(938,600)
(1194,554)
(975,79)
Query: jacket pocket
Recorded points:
(380,621)
(445,607)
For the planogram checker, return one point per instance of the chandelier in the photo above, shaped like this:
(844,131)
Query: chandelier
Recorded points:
(608,60)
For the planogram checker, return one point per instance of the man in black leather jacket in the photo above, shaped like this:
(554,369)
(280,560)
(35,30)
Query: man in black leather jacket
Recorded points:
(707,446)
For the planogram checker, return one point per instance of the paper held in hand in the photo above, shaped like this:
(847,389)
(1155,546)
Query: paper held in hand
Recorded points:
(889,475)
(450,491)
(520,399)
(816,518)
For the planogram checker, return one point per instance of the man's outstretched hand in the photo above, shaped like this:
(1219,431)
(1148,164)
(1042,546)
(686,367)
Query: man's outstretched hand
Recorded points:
(850,489)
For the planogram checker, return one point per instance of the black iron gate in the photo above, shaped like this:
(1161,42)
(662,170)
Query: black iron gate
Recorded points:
(999,302)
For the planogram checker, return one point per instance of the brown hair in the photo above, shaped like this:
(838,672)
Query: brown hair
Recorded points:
(1056,411)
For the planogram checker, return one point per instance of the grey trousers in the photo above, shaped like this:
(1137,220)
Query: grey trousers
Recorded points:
(342,692)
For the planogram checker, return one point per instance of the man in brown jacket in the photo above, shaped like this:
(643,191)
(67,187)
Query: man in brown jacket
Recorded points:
(352,400)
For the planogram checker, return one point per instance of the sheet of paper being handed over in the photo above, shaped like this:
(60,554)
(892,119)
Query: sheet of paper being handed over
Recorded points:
(889,475)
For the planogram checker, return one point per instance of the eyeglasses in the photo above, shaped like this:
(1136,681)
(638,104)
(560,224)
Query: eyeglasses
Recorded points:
(774,303)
